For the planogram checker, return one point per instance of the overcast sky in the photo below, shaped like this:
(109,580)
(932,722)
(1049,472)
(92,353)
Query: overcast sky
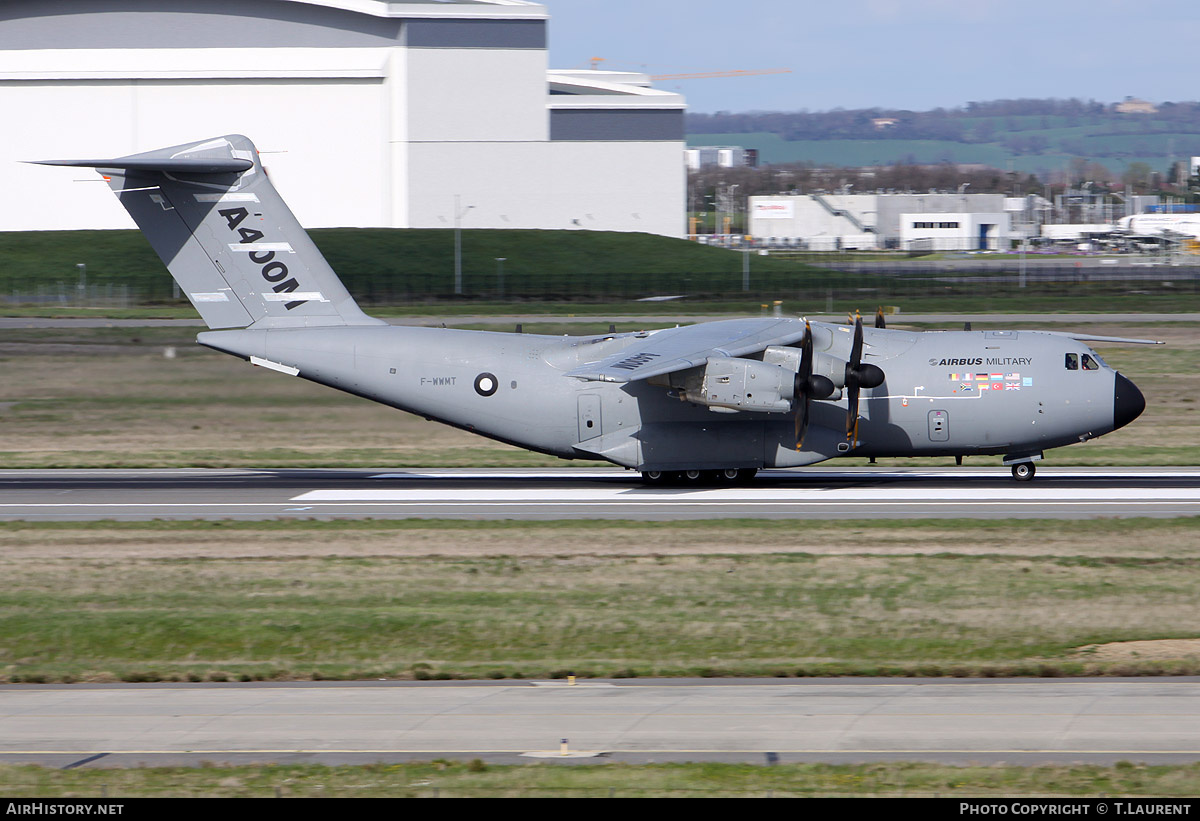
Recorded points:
(915,54)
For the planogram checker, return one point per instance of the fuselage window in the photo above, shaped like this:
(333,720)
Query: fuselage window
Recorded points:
(1090,364)
(1072,361)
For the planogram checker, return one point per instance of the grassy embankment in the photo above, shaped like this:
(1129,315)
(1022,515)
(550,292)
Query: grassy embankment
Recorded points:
(596,273)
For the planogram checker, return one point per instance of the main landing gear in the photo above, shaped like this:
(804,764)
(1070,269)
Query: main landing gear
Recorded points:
(697,478)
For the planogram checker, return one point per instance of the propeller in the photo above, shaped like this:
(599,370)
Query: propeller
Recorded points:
(859,375)
(809,386)
(879,321)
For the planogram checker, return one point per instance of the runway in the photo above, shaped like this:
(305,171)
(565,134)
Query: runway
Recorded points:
(758,721)
(1064,493)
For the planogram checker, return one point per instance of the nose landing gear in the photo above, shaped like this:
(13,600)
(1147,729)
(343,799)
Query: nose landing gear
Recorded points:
(1023,465)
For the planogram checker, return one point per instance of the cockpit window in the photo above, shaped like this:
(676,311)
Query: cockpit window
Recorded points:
(1090,364)
(1072,361)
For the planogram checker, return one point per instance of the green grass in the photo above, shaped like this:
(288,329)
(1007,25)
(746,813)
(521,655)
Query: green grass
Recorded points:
(384,265)
(351,600)
(476,779)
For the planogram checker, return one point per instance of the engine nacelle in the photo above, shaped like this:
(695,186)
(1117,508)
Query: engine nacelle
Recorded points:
(823,364)
(745,385)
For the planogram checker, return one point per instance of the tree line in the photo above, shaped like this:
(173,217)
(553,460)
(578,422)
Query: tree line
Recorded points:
(975,122)
(708,187)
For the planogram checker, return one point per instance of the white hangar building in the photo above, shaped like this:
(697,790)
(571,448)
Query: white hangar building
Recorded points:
(825,222)
(401,114)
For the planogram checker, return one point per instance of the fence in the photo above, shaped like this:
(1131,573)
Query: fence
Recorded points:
(103,295)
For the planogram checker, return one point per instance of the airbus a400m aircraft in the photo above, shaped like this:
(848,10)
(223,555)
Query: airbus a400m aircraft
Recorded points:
(714,400)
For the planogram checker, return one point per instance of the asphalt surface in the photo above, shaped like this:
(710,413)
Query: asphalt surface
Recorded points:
(760,721)
(824,492)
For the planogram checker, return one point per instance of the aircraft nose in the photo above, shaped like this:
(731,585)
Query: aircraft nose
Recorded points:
(1128,402)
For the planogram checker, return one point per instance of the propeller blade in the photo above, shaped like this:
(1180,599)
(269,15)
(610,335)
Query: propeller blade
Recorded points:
(808,386)
(858,375)
(856,348)
(806,352)
(801,389)
(852,410)
(801,428)
(879,320)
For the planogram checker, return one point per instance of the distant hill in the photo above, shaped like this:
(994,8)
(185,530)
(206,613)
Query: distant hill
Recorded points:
(1029,136)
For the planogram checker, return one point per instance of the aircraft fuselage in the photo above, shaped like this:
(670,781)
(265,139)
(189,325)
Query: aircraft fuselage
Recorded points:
(947,393)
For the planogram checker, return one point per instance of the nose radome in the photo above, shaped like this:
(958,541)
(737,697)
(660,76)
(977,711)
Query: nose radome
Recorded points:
(1128,402)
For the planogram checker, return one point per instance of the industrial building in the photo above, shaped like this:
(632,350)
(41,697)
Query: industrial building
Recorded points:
(720,156)
(933,221)
(367,113)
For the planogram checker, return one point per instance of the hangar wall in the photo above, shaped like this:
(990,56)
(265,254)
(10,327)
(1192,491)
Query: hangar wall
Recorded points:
(367,113)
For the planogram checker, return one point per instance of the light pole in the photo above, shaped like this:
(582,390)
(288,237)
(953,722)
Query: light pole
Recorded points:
(500,274)
(458,215)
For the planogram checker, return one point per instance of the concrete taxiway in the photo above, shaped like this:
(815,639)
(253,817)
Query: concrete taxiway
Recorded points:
(821,492)
(762,721)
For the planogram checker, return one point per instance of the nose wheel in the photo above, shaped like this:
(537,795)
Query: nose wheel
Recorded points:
(1023,471)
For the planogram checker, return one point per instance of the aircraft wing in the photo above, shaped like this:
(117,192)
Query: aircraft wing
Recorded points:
(1096,338)
(675,349)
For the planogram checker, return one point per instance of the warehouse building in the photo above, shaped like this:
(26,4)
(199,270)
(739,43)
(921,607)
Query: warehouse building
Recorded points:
(826,222)
(367,113)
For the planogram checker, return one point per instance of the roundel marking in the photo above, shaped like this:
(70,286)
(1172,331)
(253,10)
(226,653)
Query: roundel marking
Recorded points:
(486,384)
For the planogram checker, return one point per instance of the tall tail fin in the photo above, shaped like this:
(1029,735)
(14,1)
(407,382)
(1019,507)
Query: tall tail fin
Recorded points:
(209,211)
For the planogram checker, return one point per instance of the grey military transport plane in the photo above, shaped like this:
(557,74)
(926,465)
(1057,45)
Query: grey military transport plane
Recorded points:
(714,401)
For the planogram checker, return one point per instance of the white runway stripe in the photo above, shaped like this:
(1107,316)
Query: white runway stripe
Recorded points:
(1022,493)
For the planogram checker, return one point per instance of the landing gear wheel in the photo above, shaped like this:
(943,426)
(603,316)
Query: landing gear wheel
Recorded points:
(695,477)
(1023,471)
(655,477)
(729,476)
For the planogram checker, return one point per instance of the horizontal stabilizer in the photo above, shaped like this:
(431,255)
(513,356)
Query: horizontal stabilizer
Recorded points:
(167,165)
